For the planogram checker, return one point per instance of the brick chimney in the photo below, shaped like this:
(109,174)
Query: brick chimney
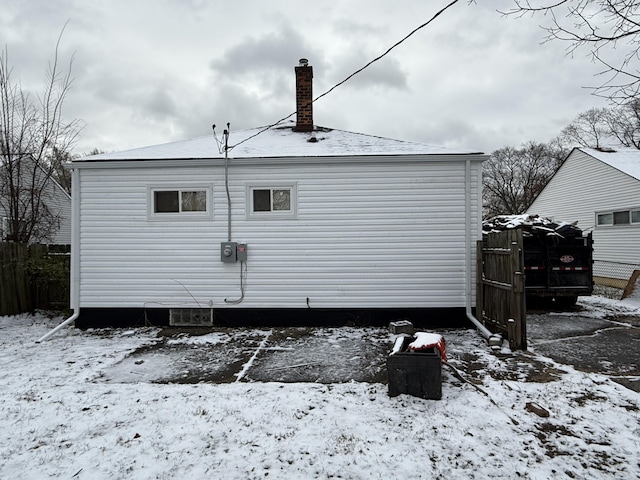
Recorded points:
(304,97)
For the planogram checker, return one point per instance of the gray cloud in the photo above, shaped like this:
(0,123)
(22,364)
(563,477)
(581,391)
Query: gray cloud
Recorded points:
(384,73)
(228,103)
(273,50)
(266,61)
(151,72)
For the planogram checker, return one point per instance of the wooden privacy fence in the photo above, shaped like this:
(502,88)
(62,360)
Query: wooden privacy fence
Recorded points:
(14,280)
(501,293)
(33,277)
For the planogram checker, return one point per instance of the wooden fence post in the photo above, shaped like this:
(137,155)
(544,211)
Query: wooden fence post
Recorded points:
(518,307)
(479,283)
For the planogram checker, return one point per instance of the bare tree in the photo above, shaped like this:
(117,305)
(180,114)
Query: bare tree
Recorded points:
(600,127)
(610,29)
(63,176)
(589,129)
(33,136)
(624,123)
(513,177)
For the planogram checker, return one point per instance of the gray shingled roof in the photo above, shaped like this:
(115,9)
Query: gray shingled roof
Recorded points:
(281,141)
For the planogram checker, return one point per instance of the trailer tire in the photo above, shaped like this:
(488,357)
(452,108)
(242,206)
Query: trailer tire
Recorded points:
(566,302)
(537,302)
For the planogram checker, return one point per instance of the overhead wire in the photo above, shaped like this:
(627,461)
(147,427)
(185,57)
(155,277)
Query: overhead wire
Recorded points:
(379,57)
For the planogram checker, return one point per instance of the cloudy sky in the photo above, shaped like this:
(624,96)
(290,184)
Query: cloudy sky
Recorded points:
(154,71)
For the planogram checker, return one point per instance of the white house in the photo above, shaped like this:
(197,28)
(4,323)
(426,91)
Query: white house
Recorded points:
(600,189)
(54,198)
(299,224)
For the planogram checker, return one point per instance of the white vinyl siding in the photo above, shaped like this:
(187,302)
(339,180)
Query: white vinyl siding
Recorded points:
(58,202)
(366,235)
(585,187)
(4,226)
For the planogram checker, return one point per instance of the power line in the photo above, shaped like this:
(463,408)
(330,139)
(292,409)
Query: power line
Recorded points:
(269,127)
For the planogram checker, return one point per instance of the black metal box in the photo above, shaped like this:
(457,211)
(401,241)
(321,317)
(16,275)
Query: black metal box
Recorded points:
(415,373)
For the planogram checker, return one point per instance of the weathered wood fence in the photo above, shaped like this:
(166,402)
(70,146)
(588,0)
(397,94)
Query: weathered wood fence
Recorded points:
(500,299)
(33,277)
(14,280)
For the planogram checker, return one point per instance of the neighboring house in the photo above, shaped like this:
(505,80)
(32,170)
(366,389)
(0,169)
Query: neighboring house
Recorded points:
(56,200)
(600,189)
(302,224)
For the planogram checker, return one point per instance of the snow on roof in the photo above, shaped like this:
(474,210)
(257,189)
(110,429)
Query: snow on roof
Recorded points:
(627,160)
(279,142)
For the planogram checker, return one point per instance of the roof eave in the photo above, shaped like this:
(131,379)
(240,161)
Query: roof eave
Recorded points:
(341,159)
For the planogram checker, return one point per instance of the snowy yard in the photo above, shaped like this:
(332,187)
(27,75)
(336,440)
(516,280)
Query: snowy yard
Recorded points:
(76,407)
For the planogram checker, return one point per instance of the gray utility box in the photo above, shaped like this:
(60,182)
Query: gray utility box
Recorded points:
(415,373)
(229,252)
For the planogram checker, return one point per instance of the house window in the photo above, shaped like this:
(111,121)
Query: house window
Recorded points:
(186,202)
(619,217)
(271,201)
(605,219)
(166,201)
(176,201)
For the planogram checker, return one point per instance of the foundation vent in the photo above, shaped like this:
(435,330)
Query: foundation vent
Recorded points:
(191,317)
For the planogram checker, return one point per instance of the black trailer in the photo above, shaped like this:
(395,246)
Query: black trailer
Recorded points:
(558,268)
(558,257)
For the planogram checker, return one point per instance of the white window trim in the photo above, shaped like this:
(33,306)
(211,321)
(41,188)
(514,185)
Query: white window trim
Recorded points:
(603,225)
(179,216)
(272,215)
(616,225)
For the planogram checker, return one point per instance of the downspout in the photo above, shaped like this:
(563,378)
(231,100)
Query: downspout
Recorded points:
(72,318)
(75,260)
(493,339)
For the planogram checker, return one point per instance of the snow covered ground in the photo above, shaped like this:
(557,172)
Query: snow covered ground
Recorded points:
(65,413)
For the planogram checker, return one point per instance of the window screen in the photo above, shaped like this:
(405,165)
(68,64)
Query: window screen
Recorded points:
(194,201)
(282,199)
